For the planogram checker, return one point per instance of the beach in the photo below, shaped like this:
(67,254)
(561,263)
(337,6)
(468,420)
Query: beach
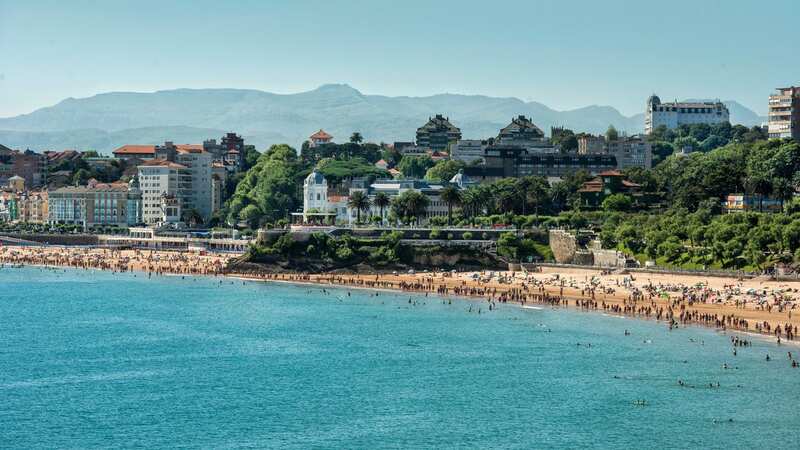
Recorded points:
(749,305)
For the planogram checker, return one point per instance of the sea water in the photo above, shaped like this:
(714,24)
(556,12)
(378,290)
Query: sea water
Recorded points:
(92,359)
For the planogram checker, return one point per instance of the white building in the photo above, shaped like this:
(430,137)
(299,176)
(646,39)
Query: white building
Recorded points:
(318,205)
(784,113)
(395,188)
(672,115)
(159,179)
(315,193)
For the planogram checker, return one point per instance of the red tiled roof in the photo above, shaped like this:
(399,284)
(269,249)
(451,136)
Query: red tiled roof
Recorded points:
(163,163)
(136,150)
(630,184)
(611,173)
(189,148)
(320,135)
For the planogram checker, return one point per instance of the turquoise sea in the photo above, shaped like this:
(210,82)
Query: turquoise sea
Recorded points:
(92,359)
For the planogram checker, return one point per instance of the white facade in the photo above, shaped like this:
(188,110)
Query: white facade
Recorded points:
(157,179)
(315,193)
(395,188)
(672,115)
(198,194)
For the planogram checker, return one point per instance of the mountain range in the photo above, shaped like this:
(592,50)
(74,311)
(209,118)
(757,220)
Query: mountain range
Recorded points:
(106,121)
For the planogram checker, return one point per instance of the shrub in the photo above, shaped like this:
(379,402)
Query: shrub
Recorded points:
(467,235)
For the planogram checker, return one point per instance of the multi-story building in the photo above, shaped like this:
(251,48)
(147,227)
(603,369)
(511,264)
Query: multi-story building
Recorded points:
(29,165)
(92,205)
(219,177)
(229,151)
(512,161)
(9,211)
(521,132)
(196,181)
(159,179)
(438,133)
(784,113)
(674,114)
(33,206)
(629,151)
(468,150)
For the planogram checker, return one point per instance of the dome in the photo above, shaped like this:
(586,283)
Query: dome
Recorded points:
(315,178)
(654,100)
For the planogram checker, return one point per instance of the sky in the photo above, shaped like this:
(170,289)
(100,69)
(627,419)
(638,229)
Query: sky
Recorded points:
(563,53)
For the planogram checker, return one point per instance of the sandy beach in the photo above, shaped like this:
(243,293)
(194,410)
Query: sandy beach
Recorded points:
(751,305)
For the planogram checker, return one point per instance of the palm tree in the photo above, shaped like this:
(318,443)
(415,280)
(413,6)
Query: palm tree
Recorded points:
(360,202)
(452,196)
(356,138)
(381,200)
(417,204)
(470,203)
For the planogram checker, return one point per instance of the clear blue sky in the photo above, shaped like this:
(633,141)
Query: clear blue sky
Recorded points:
(563,53)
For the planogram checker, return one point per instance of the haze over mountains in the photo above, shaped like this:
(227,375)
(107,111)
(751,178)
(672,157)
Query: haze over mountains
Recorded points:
(106,121)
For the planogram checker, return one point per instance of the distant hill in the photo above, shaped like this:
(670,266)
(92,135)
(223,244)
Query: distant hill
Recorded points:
(106,121)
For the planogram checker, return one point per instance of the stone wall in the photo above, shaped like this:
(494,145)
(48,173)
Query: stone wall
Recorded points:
(564,246)
(609,258)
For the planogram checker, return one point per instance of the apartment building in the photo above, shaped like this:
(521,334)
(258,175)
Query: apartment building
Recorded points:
(438,133)
(160,179)
(33,206)
(29,165)
(629,151)
(94,204)
(784,113)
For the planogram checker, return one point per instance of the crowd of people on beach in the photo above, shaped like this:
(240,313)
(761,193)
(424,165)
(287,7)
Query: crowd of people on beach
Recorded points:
(150,261)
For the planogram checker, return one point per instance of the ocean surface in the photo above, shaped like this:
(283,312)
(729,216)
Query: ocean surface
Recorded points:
(92,359)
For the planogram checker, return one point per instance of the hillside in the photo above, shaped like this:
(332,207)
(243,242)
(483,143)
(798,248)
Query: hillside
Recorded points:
(105,121)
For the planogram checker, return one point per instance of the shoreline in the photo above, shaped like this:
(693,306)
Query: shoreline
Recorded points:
(664,298)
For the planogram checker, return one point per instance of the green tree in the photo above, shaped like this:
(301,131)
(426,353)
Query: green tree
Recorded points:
(611,133)
(444,170)
(360,202)
(411,204)
(382,201)
(251,215)
(617,202)
(356,138)
(415,166)
(451,196)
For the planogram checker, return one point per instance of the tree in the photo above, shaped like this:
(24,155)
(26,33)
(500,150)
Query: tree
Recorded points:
(360,202)
(617,202)
(415,166)
(270,185)
(410,204)
(612,134)
(381,200)
(451,196)
(356,138)
(251,215)
(444,170)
